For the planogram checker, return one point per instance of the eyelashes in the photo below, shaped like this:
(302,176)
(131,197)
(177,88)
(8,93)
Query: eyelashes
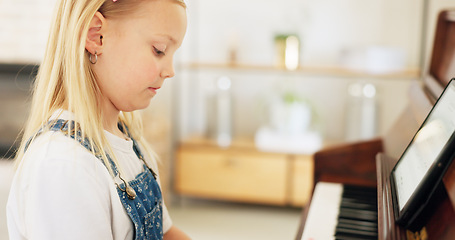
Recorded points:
(158,52)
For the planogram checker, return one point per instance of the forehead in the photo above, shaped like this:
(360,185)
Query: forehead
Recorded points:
(165,18)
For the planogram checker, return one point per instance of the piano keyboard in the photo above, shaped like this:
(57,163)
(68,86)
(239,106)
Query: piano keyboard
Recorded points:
(341,212)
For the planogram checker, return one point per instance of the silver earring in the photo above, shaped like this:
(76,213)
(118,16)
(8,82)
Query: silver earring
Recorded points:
(90,58)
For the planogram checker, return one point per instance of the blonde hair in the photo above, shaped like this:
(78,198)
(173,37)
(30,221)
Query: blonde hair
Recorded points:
(65,78)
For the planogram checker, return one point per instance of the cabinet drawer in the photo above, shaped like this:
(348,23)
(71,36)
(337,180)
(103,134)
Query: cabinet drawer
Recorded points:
(242,176)
(302,183)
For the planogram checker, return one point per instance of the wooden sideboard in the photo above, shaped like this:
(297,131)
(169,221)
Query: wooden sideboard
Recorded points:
(242,173)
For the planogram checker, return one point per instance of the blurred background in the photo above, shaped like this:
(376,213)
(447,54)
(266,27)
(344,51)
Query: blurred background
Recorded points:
(259,87)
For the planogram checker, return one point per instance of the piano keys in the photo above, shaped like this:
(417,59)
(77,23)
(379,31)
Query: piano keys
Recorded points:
(343,212)
(358,213)
(322,214)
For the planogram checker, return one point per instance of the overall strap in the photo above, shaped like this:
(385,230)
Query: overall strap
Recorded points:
(68,128)
(136,148)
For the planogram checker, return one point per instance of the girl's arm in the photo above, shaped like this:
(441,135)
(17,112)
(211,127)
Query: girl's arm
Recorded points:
(175,234)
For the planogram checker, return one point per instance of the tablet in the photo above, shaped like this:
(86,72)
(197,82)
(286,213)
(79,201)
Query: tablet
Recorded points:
(419,170)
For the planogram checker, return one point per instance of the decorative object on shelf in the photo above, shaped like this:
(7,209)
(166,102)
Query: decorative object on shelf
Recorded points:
(288,51)
(233,48)
(290,114)
(223,112)
(374,59)
(270,140)
(289,127)
(362,111)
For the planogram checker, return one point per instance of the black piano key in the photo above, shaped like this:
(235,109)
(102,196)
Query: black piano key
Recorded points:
(358,223)
(348,238)
(360,196)
(348,187)
(358,210)
(358,214)
(356,230)
(359,227)
(359,189)
(351,233)
(366,196)
(358,205)
(344,232)
(359,201)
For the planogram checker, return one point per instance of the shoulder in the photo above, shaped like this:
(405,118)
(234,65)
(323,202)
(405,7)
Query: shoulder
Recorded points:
(60,183)
(56,148)
(54,155)
(58,175)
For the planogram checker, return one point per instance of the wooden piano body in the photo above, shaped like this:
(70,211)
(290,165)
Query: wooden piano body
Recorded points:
(369,163)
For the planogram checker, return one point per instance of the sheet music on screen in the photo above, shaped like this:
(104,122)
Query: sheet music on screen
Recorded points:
(425,147)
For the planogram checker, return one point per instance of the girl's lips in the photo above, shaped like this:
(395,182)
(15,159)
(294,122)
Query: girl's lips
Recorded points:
(153,89)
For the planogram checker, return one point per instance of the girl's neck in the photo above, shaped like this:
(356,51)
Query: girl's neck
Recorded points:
(110,121)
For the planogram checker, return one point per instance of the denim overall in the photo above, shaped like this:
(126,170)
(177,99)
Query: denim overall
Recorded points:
(145,209)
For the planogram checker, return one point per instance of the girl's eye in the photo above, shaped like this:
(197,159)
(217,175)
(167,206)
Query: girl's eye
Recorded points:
(158,52)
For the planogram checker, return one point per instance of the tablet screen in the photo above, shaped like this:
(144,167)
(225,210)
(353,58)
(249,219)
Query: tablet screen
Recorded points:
(425,147)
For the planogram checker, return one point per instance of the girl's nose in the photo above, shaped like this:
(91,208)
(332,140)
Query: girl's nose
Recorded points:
(168,71)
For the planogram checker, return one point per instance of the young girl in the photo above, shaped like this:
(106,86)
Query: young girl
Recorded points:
(84,170)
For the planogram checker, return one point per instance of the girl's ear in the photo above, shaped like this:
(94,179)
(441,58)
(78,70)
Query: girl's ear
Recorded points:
(94,41)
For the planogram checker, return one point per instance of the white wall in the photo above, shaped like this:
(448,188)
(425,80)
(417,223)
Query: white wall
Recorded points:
(24,27)
(326,28)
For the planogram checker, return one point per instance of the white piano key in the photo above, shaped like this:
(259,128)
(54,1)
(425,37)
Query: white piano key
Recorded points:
(323,213)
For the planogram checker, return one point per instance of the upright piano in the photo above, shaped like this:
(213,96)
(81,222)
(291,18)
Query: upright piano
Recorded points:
(342,173)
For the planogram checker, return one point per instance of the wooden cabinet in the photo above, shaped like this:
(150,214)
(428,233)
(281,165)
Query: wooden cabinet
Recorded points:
(302,179)
(242,173)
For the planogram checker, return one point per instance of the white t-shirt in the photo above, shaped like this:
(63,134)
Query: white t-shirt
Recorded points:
(62,191)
